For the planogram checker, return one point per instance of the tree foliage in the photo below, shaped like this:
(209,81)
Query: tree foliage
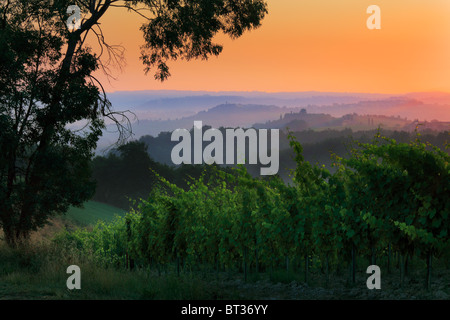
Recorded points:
(384,195)
(47,86)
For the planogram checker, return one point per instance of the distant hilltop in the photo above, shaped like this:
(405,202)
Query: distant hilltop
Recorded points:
(303,120)
(172,105)
(364,115)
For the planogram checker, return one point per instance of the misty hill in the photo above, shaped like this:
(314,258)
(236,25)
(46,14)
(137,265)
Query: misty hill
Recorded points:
(172,104)
(226,115)
(311,128)
(317,145)
(299,121)
(430,97)
(396,106)
(397,113)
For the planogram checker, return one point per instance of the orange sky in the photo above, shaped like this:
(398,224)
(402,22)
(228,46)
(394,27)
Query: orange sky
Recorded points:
(320,45)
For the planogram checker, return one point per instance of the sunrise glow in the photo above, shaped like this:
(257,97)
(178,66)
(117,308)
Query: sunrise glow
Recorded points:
(321,45)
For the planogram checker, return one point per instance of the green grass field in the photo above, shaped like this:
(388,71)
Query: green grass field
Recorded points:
(93,212)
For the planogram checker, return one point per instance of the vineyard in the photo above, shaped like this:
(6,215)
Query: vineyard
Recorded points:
(385,204)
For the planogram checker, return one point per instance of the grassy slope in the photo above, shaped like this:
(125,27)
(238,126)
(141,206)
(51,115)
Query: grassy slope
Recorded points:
(92,212)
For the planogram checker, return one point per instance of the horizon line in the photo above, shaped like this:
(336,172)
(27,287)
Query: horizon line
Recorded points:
(279,92)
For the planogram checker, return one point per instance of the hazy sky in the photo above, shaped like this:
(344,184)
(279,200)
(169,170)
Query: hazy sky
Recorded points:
(304,45)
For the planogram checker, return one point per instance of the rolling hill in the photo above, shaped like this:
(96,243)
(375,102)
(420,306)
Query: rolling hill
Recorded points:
(92,212)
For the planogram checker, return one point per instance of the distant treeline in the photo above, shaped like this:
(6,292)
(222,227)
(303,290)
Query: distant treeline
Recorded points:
(128,172)
(318,145)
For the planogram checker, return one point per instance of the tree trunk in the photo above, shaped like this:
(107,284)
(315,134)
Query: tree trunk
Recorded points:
(338,266)
(353,264)
(429,260)
(306,268)
(406,264)
(402,269)
(10,238)
(389,259)
(131,260)
(245,264)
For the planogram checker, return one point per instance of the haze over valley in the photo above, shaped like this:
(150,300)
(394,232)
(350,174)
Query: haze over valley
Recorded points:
(164,111)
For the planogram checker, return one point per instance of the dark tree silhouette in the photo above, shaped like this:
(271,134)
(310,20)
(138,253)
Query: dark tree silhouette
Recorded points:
(47,85)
